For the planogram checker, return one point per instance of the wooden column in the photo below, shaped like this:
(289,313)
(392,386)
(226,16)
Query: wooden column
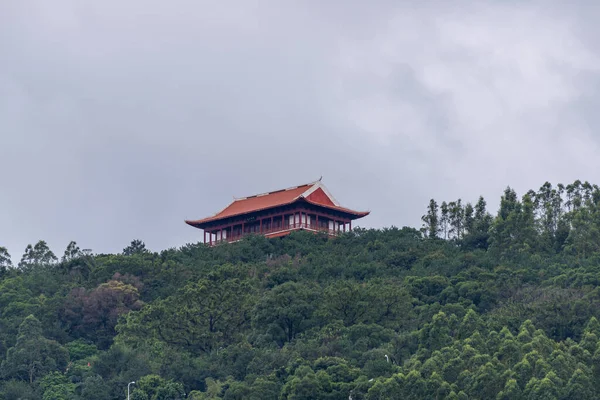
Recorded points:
(204,237)
(317,221)
(272,228)
(260,226)
(350,225)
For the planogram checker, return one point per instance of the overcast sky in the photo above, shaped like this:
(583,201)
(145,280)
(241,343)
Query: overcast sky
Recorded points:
(120,119)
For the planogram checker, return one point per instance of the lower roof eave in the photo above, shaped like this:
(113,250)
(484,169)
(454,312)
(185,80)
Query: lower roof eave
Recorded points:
(204,223)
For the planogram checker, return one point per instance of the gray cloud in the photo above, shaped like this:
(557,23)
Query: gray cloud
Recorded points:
(118,120)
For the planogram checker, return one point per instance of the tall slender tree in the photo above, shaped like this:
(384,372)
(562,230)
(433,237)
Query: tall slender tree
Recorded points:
(477,222)
(455,217)
(431,220)
(444,220)
(469,220)
(72,252)
(5,261)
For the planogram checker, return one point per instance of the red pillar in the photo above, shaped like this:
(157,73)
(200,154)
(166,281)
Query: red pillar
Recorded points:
(317,221)
(204,237)
(260,226)
(344,227)
(210,233)
(272,224)
(350,228)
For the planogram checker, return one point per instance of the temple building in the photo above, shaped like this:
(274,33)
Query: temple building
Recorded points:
(309,207)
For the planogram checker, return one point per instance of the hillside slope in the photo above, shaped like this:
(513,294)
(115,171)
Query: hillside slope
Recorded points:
(471,306)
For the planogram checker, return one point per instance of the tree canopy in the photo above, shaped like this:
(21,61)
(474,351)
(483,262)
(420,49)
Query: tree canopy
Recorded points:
(471,305)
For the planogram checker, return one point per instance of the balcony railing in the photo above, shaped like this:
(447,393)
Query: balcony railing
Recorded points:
(275,230)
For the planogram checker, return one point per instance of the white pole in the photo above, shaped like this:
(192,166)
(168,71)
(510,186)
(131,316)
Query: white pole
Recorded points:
(128,388)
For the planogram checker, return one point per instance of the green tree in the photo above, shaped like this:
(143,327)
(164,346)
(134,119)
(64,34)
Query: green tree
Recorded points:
(541,389)
(94,388)
(431,220)
(478,229)
(288,308)
(469,219)
(304,385)
(56,386)
(579,386)
(513,232)
(583,239)
(456,215)
(33,355)
(264,389)
(71,252)
(135,247)
(348,301)
(200,317)
(17,390)
(511,391)
(5,261)
(436,334)
(444,219)
(40,254)
(154,387)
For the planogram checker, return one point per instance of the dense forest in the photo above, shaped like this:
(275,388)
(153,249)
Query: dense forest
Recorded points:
(472,305)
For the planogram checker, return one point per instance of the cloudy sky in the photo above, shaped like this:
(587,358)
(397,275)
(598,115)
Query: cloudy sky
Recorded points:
(120,119)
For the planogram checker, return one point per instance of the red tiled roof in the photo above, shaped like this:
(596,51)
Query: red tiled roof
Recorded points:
(270,200)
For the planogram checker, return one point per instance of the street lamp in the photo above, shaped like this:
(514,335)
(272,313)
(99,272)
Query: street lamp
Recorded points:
(128,388)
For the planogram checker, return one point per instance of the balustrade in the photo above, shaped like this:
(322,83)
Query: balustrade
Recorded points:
(271,230)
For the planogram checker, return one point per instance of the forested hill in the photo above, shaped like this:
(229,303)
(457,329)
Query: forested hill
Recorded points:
(473,305)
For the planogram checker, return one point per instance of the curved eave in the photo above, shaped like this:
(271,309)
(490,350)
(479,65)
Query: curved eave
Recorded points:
(355,214)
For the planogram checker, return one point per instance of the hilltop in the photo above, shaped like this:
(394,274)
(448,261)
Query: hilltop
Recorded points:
(472,305)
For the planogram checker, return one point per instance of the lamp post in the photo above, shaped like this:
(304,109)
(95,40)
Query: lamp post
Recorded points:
(128,388)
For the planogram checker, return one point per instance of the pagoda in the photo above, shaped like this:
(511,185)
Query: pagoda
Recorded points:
(308,207)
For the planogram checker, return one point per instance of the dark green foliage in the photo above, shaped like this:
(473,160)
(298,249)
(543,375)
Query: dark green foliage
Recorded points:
(33,355)
(72,252)
(5,261)
(430,220)
(135,247)
(471,306)
(37,255)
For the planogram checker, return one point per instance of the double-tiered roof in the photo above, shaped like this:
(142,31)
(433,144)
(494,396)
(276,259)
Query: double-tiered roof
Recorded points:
(279,212)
